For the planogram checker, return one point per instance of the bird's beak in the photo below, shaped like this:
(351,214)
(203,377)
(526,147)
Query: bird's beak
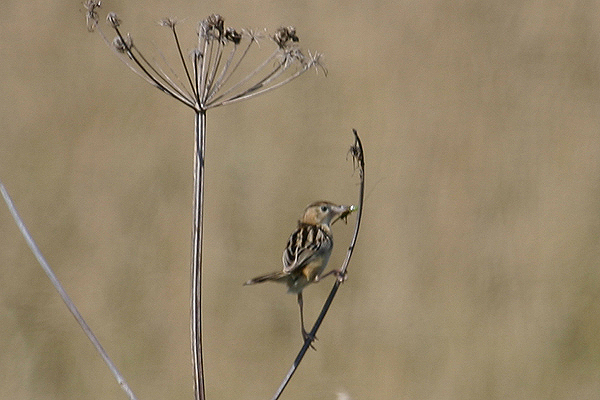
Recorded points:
(342,212)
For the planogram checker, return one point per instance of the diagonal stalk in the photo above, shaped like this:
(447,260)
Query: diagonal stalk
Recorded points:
(63,294)
(196,261)
(160,76)
(182,58)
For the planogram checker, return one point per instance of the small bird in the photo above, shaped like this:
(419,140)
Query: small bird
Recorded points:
(307,252)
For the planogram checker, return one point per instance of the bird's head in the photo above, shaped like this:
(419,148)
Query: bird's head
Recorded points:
(325,213)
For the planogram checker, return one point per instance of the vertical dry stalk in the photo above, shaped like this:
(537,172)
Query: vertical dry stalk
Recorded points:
(196,260)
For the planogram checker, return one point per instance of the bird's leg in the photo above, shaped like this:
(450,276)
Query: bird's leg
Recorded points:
(341,276)
(305,335)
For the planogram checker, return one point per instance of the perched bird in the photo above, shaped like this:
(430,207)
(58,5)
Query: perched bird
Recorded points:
(307,252)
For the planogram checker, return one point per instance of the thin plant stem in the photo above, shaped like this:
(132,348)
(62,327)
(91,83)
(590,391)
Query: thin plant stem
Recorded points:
(248,77)
(167,84)
(218,82)
(128,50)
(208,55)
(214,69)
(246,95)
(181,85)
(203,71)
(357,158)
(182,58)
(63,294)
(196,261)
(270,76)
(225,79)
(196,76)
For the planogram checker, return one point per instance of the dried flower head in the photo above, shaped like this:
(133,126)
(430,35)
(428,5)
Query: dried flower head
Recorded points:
(284,35)
(233,36)
(214,76)
(168,22)
(91,13)
(212,27)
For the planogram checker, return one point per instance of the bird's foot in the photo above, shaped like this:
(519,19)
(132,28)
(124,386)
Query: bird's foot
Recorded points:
(309,338)
(341,276)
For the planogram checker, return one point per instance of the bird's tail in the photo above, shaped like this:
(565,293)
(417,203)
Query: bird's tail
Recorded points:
(273,276)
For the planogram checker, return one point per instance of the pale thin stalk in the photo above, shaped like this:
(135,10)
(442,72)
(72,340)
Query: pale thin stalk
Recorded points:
(218,82)
(201,72)
(249,76)
(181,87)
(224,81)
(132,56)
(208,56)
(167,84)
(172,78)
(254,89)
(214,69)
(280,69)
(358,159)
(148,77)
(63,294)
(142,73)
(259,92)
(196,66)
(196,259)
(185,66)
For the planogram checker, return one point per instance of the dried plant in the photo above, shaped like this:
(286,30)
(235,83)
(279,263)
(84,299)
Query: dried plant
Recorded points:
(208,84)
(213,76)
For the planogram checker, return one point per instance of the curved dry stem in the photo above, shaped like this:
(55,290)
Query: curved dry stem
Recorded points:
(359,162)
(63,294)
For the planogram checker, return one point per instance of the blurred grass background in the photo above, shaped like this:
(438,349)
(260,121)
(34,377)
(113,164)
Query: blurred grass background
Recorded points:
(476,273)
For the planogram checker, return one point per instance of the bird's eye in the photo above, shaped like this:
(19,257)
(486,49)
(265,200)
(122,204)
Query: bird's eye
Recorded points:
(323,208)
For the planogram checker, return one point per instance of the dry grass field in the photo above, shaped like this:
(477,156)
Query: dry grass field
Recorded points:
(476,274)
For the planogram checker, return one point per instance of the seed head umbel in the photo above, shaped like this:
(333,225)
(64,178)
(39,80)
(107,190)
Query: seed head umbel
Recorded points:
(214,73)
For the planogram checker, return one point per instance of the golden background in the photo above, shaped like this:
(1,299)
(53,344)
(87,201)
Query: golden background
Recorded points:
(476,274)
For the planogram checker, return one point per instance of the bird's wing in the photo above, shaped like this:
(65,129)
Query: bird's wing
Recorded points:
(302,246)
